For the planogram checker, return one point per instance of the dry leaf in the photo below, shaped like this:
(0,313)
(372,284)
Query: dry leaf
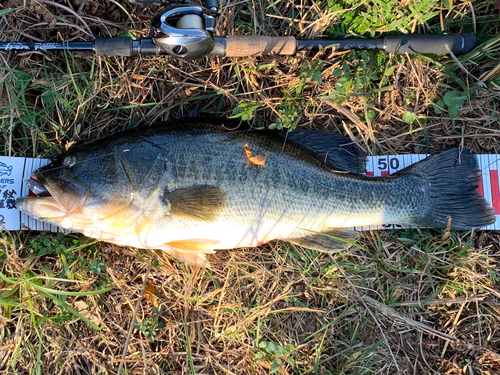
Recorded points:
(69,144)
(138,77)
(149,290)
(257,160)
(82,308)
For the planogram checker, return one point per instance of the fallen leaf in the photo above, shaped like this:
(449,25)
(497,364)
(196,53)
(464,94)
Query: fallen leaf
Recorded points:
(68,145)
(138,77)
(82,308)
(257,160)
(149,291)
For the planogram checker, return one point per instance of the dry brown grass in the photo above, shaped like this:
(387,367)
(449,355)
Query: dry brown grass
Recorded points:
(407,302)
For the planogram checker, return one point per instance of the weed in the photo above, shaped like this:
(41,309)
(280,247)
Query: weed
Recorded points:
(149,326)
(378,16)
(275,353)
(245,111)
(452,102)
(288,114)
(96,266)
(46,244)
(310,72)
(409,117)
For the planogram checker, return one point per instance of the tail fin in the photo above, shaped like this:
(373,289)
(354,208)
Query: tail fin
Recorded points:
(453,178)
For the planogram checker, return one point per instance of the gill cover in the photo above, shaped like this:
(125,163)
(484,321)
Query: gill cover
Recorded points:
(68,193)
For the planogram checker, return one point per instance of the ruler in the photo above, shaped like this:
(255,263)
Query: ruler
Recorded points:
(14,171)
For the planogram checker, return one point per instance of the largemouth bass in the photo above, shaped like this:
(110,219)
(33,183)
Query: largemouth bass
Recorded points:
(190,189)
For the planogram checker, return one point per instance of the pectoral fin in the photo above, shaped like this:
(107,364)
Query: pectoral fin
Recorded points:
(203,203)
(330,241)
(192,251)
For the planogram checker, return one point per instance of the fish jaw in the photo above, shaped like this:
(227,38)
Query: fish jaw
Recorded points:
(50,210)
(44,208)
(79,219)
(58,199)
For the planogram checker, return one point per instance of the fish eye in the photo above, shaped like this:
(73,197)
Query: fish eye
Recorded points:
(69,161)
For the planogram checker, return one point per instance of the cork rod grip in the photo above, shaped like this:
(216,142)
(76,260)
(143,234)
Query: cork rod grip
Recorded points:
(240,45)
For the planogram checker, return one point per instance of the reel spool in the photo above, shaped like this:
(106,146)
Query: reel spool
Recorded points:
(184,31)
(191,21)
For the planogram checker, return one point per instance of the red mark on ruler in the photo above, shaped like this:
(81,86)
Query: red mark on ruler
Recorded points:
(480,188)
(384,173)
(495,192)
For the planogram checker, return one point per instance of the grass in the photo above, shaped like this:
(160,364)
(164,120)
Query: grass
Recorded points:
(407,301)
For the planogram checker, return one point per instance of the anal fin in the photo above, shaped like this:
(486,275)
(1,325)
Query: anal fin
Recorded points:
(192,251)
(330,241)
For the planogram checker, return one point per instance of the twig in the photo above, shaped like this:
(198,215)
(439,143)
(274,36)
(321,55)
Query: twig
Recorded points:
(443,301)
(453,327)
(69,11)
(126,12)
(469,136)
(395,316)
(460,65)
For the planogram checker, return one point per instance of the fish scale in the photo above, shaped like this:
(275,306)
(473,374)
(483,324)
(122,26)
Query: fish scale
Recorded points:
(251,189)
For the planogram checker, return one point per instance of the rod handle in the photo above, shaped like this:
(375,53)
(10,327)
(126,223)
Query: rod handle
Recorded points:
(419,43)
(113,46)
(242,45)
(125,46)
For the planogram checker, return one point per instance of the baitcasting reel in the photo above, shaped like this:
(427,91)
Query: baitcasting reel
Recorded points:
(184,31)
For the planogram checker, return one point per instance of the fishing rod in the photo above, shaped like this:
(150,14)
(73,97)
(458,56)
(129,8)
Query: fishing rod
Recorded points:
(186,31)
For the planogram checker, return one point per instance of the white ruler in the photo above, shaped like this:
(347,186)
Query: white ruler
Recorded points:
(14,171)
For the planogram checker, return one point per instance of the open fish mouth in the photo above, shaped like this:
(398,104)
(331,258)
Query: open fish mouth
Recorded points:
(54,197)
(36,187)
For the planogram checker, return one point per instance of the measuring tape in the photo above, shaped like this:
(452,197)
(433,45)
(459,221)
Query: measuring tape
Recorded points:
(14,171)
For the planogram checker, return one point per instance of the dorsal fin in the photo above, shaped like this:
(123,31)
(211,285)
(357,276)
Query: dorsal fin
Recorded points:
(334,150)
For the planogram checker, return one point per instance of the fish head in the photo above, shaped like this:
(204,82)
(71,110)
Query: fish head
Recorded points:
(80,182)
(90,191)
